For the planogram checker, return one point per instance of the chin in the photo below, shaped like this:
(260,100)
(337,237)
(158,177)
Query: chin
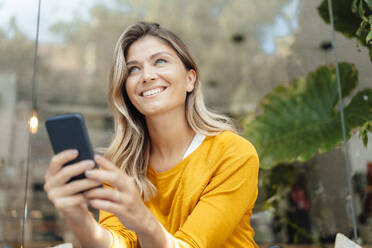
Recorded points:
(163,111)
(162,108)
(154,113)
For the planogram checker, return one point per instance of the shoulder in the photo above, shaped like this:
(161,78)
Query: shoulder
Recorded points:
(230,142)
(233,149)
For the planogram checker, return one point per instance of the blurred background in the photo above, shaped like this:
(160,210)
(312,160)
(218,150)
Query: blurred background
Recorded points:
(268,64)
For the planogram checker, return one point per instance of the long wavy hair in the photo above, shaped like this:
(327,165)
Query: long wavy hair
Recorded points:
(130,147)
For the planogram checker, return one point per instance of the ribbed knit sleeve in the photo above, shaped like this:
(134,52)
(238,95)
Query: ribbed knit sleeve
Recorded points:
(122,237)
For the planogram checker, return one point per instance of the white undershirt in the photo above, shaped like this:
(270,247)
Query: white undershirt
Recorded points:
(195,143)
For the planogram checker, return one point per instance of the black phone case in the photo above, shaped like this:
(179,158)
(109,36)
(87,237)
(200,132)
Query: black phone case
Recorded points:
(69,132)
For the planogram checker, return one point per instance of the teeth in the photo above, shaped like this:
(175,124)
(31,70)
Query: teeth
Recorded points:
(152,92)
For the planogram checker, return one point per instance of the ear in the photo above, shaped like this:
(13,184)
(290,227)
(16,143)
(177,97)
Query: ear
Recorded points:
(191,79)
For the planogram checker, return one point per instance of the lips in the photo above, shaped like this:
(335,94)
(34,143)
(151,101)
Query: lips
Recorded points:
(153,91)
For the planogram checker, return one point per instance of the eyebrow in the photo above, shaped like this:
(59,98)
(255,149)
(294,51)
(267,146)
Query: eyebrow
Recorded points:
(151,57)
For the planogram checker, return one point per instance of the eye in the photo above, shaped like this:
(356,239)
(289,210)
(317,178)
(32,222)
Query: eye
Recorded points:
(132,69)
(160,61)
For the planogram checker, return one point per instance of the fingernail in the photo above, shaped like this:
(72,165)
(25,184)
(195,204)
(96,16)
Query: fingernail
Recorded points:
(88,172)
(89,163)
(74,152)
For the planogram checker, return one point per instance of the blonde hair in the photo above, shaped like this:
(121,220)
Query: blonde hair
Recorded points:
(130,147)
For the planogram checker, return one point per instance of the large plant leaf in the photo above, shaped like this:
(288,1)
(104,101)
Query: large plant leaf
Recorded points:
(344,20)
(299,120)
(351,18)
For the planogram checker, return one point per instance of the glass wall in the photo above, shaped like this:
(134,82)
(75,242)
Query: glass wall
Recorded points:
(269,65)
(16,58)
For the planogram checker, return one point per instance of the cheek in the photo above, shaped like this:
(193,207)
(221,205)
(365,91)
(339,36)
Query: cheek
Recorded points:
(129,88)
(177,76)
(126,88)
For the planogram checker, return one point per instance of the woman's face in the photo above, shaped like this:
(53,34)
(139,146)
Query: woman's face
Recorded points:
(157,80)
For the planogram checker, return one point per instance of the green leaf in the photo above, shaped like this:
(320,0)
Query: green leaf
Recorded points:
(297,121)
(369,3)
(361,10)
(354,6)
(363,25)
(363,134)
(281,178)
(369,37)
(344,20)
(350,19)
(364,138)
(358,32)
(361,29)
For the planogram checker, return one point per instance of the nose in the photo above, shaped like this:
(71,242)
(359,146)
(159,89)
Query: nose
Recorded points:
(149,74)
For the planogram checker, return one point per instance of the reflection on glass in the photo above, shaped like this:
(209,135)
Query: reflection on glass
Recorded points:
(285,23)
(33,122)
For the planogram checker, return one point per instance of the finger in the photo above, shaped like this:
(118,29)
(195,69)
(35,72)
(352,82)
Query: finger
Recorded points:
(115,179)
(64,203)
(104,194)
(73,188)
(104,205)
(105,164)
(60,159)
(68,172)
(85,206)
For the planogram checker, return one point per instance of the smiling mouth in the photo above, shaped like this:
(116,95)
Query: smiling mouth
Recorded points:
(153,92)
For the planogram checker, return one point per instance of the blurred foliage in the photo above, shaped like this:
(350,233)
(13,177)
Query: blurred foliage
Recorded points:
(363,134)
(17,57)
(353,18)
(297,121)
(278,181)
(210,42)
(344,20)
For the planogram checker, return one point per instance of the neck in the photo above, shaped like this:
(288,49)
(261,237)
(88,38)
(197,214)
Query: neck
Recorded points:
(170,134)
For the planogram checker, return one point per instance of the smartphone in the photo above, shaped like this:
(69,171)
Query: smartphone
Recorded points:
(69,132)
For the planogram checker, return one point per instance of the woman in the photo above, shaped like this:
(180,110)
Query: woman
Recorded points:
(175,174)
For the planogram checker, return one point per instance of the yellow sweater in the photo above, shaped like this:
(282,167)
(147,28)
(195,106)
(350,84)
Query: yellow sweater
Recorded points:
(204,201)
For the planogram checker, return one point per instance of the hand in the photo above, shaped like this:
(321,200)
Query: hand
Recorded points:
(123,200)
(66,197)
